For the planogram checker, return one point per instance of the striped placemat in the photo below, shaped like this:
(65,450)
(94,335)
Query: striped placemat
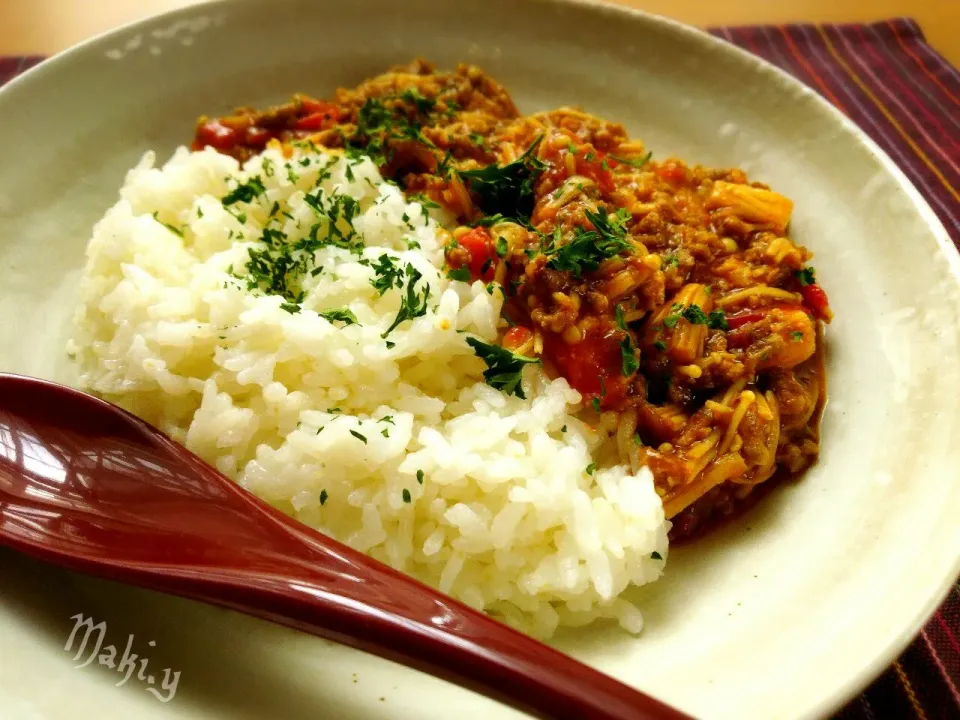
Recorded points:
(886,78)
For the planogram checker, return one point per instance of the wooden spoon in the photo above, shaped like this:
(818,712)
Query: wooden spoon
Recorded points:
(90,487)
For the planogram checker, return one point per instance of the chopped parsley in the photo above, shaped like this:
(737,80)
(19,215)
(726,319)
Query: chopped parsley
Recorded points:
(422,104)
(420,476)
(635,162)
(660,345)
(656,556)
(670,260)
(501,246)
(387,419)
(424,201)
(797,336)
(278,265)
(443,167)
(628,355)
(591,468)
(246,192)
(175,230)
(323,497)
(388,274)
(384,121)
(507,189)
(385,432)
(461,274)
(718,320)
(406,495)
(489,220)
(695,315)
(359,437)
(342,315)
(588,248)
(412,305)
(563,429)
(504,368)
(596,403)
(807,276)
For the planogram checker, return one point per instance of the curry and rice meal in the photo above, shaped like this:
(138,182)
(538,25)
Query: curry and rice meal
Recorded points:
(508,354)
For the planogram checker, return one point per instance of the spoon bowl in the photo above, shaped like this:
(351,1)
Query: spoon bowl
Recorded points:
(90,487)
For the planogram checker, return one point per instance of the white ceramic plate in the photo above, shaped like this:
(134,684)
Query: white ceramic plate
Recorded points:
(786,613)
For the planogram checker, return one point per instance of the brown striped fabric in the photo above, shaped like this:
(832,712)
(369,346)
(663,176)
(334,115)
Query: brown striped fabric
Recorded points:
(887,79)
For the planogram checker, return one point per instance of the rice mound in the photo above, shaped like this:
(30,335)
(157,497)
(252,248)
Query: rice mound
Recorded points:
(398,448)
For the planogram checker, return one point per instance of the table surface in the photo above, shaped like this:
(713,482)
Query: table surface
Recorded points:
(46,26)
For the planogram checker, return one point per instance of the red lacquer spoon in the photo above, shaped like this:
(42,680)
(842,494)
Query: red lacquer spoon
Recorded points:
(90,487)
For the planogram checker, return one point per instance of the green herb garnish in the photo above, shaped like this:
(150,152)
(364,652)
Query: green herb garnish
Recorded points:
(695,315)
(718,320)
(504,368)
(807,276)
(635,162)
(507,189)
(175,230)
(342,315)
(381,121)
(412,305)
(628,356)
(489,220)
(461,274)
(388,274)
(588,248)
(245,192)
(359,437)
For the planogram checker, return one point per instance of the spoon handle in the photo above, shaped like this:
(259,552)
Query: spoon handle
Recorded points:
(311,583)
(456,643)
(330,590)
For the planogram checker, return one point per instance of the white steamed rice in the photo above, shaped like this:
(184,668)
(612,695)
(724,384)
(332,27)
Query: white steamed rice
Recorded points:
(331,425)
